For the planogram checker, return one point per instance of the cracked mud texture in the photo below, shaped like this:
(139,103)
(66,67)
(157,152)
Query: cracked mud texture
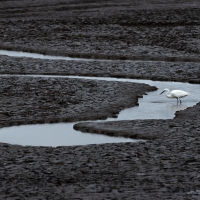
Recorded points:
(30,100)
(158,70)
(103,28)
(165,167)
(167,164)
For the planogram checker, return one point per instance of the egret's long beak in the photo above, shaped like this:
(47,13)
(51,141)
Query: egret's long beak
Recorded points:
(162,92)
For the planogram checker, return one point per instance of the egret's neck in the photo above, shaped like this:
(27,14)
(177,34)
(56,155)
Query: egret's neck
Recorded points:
(168,94)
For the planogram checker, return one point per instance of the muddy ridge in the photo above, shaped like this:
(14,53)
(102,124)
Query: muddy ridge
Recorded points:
(159,70)
(30,100)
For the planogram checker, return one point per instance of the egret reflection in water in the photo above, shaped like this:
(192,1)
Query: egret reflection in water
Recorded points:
(171,107)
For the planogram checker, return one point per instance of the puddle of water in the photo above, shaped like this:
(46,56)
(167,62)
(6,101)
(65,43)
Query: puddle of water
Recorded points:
(156,106)
(61,134)
(151,106)
(48,57)
(38,56)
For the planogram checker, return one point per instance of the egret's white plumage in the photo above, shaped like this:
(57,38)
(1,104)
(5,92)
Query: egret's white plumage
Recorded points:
(175,94)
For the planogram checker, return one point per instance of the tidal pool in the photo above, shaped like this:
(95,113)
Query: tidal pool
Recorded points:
(151,106)
(37,56)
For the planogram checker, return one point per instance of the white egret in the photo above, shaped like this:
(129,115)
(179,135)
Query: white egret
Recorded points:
(175,94)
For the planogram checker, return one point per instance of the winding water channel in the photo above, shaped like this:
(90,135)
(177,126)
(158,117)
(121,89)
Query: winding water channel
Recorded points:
(151,106)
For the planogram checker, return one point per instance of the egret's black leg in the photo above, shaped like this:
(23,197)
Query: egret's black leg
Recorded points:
(178,100)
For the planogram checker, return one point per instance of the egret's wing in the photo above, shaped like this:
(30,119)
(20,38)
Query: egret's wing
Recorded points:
(179,93)
(173,94)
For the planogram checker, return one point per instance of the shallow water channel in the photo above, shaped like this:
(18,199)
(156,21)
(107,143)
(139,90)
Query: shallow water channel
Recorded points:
(37,56)
(151,106)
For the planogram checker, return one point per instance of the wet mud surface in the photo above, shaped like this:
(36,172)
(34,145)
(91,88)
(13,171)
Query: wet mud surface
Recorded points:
(103,29)
(158,70)
(167,165)
(30,100)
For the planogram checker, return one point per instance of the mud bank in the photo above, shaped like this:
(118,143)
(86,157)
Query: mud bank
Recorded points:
(162,168)
(158,70)
(102,29)
(30,100)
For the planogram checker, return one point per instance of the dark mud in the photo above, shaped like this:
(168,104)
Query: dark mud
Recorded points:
(169,162)
(29,100)
(159,70)
(165,167)
(103,29)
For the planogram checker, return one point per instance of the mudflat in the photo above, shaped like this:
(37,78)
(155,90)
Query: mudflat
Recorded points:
(132,39)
